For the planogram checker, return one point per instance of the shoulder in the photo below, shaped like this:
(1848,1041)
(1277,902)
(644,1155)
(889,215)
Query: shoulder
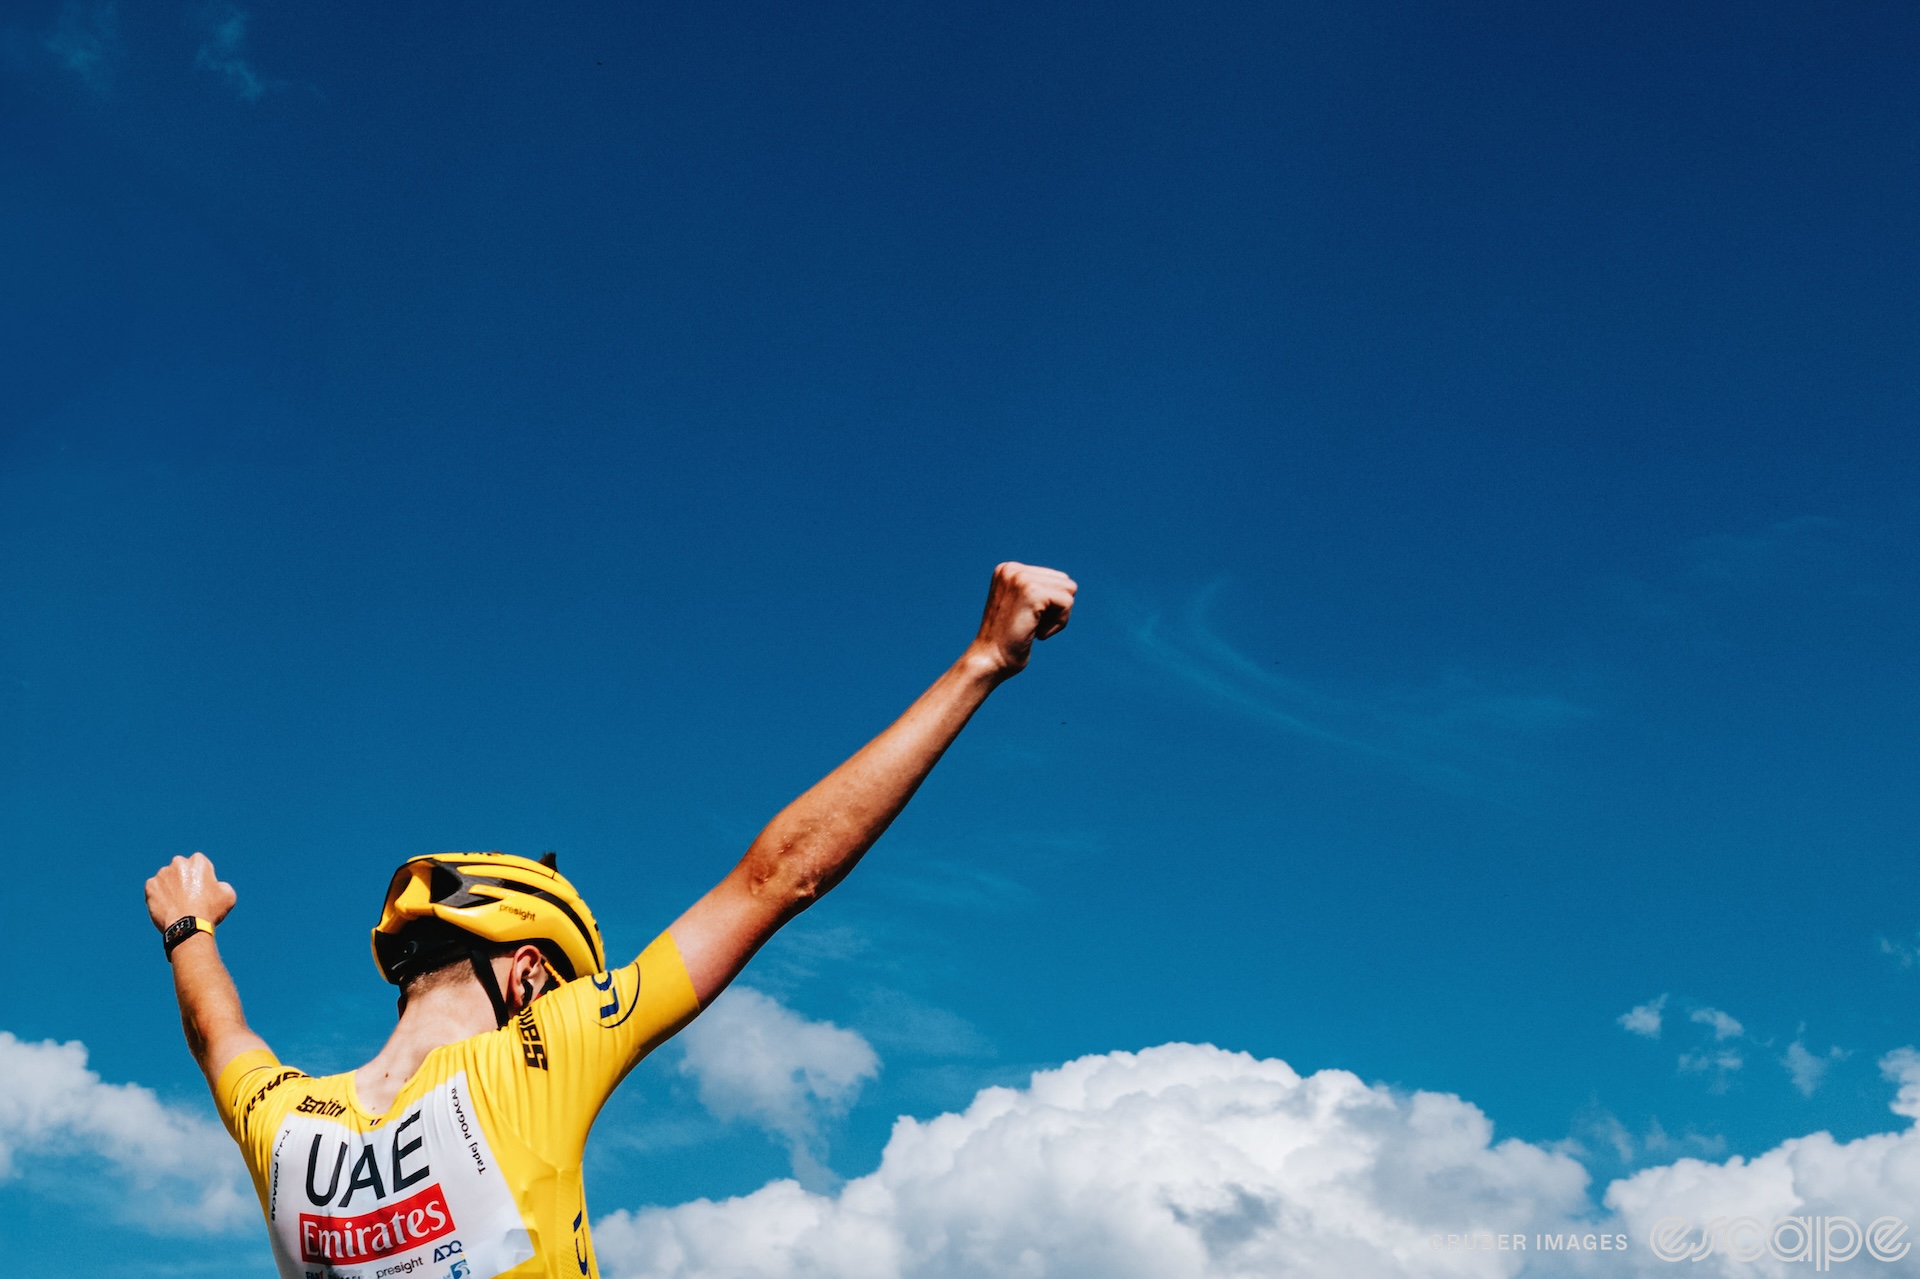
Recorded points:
(251,1086)
(655,981)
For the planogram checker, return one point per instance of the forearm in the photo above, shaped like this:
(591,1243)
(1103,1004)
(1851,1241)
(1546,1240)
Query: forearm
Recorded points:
(820,836)
(210,1012)
(812,844)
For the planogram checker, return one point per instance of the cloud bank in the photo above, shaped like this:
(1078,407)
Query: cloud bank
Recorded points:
(1184,1161)
(53,1107)
(1179,1160)
(1190,1161)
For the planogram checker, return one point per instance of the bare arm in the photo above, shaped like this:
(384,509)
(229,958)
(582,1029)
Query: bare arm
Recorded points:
(819,837)
(209,1005)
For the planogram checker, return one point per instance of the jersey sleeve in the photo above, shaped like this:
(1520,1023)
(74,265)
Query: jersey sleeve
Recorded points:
(248,1097)
(587,1035)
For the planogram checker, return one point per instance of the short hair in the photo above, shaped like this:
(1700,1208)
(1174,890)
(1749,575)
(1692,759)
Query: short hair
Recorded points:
(452,972)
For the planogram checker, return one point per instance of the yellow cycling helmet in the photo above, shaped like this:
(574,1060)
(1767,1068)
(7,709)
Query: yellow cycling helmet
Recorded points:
(444,906)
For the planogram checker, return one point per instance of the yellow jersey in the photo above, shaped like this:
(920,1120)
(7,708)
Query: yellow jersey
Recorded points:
(474,1171)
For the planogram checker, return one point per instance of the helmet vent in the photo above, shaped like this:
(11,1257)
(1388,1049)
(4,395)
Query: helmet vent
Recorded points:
(444,883)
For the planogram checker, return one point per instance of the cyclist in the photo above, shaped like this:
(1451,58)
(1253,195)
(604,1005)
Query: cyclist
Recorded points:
(456,1152)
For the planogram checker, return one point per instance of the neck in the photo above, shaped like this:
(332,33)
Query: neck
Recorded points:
(438,1017)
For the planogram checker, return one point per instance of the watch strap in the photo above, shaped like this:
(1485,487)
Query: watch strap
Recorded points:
(182,928)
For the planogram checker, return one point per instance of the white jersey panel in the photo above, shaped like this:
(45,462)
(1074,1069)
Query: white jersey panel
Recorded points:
(422,1196)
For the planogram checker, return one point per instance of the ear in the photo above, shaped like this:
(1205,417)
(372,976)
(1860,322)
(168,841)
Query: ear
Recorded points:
(528,976)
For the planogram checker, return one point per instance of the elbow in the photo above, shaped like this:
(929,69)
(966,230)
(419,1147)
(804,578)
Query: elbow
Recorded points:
(782,879)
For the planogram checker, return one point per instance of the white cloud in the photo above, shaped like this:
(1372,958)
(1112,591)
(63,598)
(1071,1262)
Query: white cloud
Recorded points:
(755,1059)
(224,52)
(1644,1019)
(1724,1027)
(52,1106)
(1808,1069)
(1189,1162)
(1902,1066)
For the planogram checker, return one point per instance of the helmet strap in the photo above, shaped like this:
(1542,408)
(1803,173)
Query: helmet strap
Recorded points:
(483,969)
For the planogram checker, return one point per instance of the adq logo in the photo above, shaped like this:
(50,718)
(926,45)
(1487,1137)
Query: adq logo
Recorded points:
(1819,1240)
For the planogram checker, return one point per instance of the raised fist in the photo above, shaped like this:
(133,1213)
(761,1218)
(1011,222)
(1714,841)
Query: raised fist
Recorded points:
(188,886)
(1024,604)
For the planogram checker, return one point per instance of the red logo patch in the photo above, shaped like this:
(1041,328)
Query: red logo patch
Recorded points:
(380,1233)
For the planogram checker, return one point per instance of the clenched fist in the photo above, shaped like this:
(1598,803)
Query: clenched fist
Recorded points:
(1024,604)
(188,886)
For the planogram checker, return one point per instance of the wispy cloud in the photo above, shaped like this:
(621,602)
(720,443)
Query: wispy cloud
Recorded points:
(934,881)
(1905,953)
(1602,1132)
(1722,1025)
(1720,1063)
(86,41)
(223,51)
(188,1174)
(1644,1019)
(1714,582)
(1718,1054)
(1787,548)
(1715,1058)
(1452,727)
(1808,1069)
(901,1023)
(1658,1143)
(753,1058)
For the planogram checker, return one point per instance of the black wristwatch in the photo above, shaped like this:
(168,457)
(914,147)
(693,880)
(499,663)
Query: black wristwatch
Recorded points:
(182,928)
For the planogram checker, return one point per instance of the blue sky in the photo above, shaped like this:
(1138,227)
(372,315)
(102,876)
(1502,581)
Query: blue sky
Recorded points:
(1484,438)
